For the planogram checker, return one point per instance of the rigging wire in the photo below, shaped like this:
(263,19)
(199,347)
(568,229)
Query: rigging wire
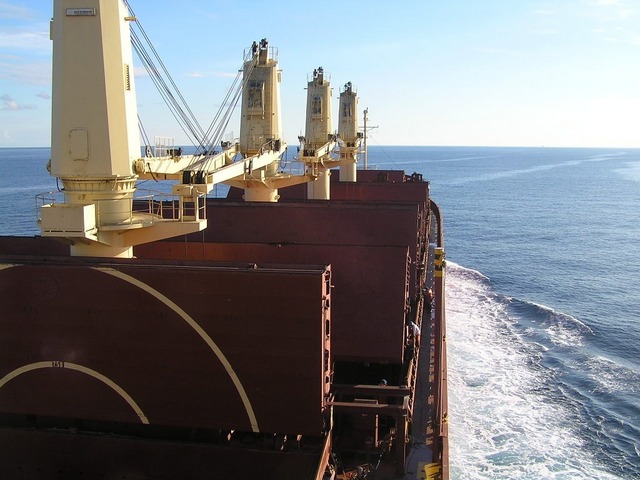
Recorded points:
(179,108)
(383,150)
(188,126)
(143,133)
(173,98)
(211,136)
(221,120)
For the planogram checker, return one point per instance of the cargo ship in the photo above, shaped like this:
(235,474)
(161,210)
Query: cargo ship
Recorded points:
(293,328)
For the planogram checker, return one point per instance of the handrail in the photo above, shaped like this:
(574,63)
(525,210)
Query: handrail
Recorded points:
(155,206)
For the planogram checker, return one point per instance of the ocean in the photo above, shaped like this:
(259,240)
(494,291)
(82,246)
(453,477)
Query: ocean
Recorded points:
(543,301)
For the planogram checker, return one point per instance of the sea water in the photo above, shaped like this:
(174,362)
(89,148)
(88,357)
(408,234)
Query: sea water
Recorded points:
(543,307)
(543,301)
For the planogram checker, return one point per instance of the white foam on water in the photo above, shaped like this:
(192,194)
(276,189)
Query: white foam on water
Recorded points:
(611,377)
(562,328)
(18,189)
(503,421)
(532,169)
(631,171)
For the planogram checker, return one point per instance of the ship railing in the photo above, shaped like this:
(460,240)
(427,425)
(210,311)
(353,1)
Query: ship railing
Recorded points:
(146,207)
(164,147)
(247,54)
(47,198)
(292,167)
(168,206)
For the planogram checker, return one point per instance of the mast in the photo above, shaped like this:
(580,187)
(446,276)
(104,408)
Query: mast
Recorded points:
(261,128)
(261,125)
(348,132)
(365,130)
(94,136)
(252,163)
(318,141)
(96,149)
(364,140)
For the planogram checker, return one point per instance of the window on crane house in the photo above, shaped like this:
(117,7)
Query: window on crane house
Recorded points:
(346,109)
(316,108)
(255,97)
(316,105)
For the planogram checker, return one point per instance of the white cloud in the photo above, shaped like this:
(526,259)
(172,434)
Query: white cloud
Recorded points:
(497,51)
(37,73)
(14,12)
(140,71)
(617,9)
(8,103)
(211,75)
(543,32)
(25,40)
(43,95)
(620,8)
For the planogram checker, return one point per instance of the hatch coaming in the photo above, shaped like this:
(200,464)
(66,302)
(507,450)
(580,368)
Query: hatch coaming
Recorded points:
(120,342)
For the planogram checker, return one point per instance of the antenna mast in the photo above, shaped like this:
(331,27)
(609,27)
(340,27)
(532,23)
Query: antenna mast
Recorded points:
(364,142)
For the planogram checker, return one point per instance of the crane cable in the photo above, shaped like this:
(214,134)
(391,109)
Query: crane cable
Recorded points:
(203,141)
(188,126)
(178,106)
(143,132)
(221,120)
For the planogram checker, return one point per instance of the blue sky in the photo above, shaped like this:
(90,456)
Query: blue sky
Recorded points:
(455,72)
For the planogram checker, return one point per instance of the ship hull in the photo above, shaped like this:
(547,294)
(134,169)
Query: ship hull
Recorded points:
(278,336)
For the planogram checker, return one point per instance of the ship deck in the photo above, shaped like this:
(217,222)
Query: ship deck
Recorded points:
(278,336)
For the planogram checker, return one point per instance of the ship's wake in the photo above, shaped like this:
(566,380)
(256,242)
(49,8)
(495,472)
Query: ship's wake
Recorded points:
(515,412)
